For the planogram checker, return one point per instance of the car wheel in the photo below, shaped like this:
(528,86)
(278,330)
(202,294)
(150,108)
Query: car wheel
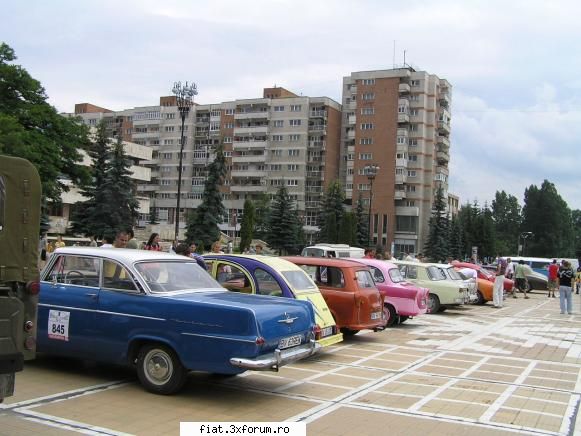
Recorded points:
(433,303)
(159,369)
(481,299)
(349,332)
(390,315)
(403,319)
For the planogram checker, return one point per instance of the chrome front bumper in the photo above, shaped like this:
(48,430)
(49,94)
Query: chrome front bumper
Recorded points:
(274,361)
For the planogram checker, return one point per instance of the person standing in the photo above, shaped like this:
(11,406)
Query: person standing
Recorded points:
(565,275)
(217,248)
(92,242)
(59,242)
(132,243)
(194,255)
(553,276)
(369,253)
(497,293)
(578,279)
(520,278)
(153,243)
(121,239)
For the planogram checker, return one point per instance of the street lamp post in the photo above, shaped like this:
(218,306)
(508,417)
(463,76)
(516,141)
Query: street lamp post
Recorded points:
(370,171)
(524,236)
(184,101)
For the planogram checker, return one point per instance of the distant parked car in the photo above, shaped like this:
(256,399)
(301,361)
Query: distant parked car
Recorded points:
(402,300)
(163,314)
(268,275)
(467,283)
(348,289)
(485,273)
(443,291)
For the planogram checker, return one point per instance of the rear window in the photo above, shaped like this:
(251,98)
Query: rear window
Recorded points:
(313,252)
(364,279)
(377,275)
(299,280)
(435,273)
(395,275)
(454,275)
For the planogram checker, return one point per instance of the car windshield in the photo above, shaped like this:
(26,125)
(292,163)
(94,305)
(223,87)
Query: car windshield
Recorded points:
(486,274)
(171,276)
(395,275)
(435,273)
(299,281)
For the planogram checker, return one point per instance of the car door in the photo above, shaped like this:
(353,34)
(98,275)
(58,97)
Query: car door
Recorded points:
(68,305)
(339,297)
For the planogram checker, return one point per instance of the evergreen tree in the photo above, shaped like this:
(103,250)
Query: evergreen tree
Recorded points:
(455,243)
(331,213)
(32,129)
(547,215)
(436,247)
(506,213)
(283,223)
(261,216)
(120,203)
(203,222)
(362,223)
(247,226)
(348,229)
(153,215)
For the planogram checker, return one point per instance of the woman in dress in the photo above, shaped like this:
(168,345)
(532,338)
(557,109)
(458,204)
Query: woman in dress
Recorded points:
(153,243)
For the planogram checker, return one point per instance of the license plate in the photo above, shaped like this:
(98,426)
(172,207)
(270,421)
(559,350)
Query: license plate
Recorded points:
(291,341)
(327,331)
(376,315)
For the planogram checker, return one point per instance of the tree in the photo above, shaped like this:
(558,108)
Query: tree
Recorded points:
(348,229)
(203,223)
(548,217)
(436,247)
(506,214)
(261,216)
(362,222)
(576,218)
(455,243)
(284,223)
(32,129)
(111,204)
(331,214)
(247,226)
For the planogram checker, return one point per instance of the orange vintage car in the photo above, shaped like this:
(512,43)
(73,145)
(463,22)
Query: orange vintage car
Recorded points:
(349,291)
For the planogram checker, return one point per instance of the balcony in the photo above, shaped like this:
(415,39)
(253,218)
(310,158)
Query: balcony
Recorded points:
(402,133)
(443,141)
(321,144)
(248,173)
(407,211)
(202,132)
(202,121)
(314,189)
(312,204)
(316,174)
(351,119)
(249,158)
(444,127)
(251,129)
(403,118)
(252,115)
(317,128)
(399,195)
(318,114)
(400,179)
(443,157)
(147,188)
(352,105)
(247,145)
(351,134)
(404,88)
(247,188)
(140,173)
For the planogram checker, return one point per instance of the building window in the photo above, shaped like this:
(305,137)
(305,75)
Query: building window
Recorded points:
(229,125)
(168,142)
(365,156)
(275,167)
(214,126)
(413,127)
(276,182)
(406,223)
(366,126)
(350,156)
(277,137)
(295,108)
(294,138)
(367,111)
(413,158)
(227,140)
(279,108)
(415,97)
(292,167)
(170,116)
(368,81)
(368,96)
(410,203)
(278,123)
(276,152)
(366,141)
(292,182)
(412,173)
(215,113)
(93,122)
(229,111)
(350,171)
(401,140)
(414,112)
(227,154)
(403,109)
(414,83)
(413,142)
(295,123)
(363,187)
(169,128)
(410,188)
(294,152)
(349,186)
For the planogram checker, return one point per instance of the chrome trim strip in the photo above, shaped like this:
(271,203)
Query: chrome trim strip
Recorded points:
(100,311)
(219,337)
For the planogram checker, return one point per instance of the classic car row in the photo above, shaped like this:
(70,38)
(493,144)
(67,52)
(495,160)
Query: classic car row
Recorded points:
(164,315)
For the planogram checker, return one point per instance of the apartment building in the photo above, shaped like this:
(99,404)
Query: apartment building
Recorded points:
(278,139)
(399,121)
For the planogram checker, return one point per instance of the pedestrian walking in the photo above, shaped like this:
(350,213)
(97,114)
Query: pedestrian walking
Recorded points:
(498,290)
(578,279)
(553,278)
(520,278)
(565,274)
(153,243)
(194,255)
(132,243)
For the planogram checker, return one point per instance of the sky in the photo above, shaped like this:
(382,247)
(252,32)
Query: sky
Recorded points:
(514,66)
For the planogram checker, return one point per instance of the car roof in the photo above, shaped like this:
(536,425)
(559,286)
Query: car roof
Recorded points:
(324,261)
(413,263)
(277,263)
(378,263)
(126,255)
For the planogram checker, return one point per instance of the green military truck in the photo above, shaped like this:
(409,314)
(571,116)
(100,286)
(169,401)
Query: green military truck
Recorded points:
(19,276)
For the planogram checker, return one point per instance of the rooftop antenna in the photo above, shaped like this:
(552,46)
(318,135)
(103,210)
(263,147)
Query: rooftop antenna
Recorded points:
(394,53)
(404,58)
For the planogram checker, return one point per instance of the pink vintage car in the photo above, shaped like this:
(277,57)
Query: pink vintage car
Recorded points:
(402,299)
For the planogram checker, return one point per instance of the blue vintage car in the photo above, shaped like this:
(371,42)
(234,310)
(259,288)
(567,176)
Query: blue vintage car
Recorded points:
(268,275)
(164,315)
